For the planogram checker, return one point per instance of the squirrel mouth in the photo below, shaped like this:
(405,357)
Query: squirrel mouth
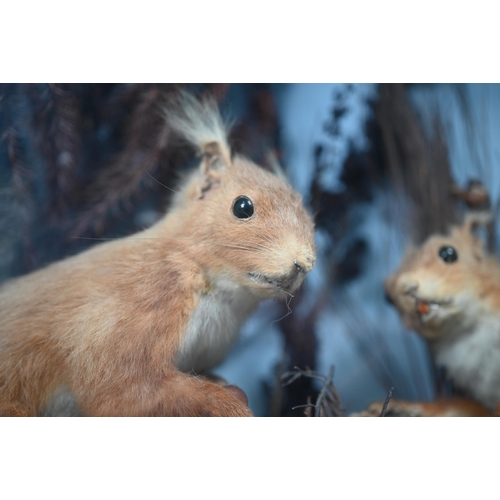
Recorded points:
(284,283)
(263,280)
(425,306)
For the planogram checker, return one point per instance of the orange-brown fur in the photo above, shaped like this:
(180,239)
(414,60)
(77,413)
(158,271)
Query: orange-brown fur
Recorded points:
(446,407)
(108,323)
(456,307)
(475,273)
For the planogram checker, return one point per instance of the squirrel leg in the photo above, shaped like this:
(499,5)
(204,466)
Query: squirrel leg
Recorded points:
(237,391)
(178,395)
(15,410)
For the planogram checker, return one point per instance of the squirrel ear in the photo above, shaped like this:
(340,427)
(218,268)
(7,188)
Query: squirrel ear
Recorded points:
(215,159)
(478,226)
(274,164)
(476,221)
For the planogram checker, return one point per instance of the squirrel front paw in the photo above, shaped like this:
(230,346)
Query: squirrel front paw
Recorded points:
(228,401)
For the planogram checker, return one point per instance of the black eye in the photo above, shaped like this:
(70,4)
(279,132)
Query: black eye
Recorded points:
(243,207)
(448,254)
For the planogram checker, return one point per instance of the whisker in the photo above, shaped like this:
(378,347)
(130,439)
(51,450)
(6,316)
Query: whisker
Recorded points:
(267,238)
(288,300)
(249,248)
(240,247)
(163,238)
(161,184)
(260,245)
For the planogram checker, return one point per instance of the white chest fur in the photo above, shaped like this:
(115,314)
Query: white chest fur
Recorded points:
(213,328)
(472,360)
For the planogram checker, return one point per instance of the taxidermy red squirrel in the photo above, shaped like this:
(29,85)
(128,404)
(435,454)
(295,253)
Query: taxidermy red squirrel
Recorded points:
(122,324)
(448,290)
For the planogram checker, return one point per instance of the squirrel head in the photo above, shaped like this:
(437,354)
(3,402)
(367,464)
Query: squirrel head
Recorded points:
(247,225)
(448,284)
(244,225)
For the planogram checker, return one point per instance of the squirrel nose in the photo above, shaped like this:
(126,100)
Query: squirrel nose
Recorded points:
(397,285)
(407,286)
(303,266)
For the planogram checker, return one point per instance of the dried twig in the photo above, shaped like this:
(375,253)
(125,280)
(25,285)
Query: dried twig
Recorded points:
(328,402)
(147,139)
(386,402)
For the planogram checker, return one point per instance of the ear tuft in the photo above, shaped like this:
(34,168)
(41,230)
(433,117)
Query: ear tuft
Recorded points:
(199,122)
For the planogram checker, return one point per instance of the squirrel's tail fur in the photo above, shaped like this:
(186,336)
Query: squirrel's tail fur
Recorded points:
(199,122)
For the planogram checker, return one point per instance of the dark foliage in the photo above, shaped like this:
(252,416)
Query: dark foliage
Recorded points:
(328,401)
